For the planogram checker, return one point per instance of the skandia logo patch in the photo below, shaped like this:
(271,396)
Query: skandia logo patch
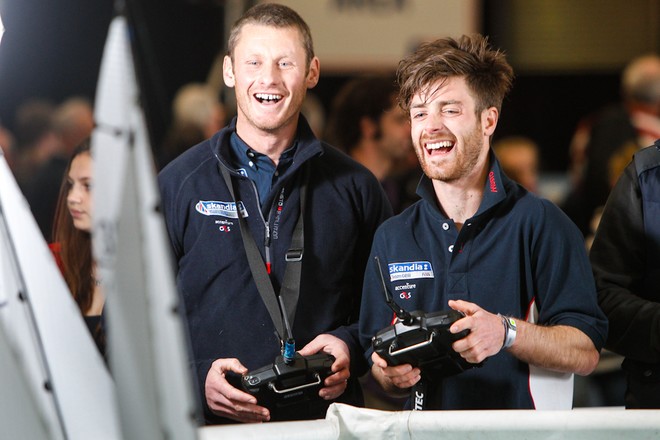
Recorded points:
(223,209)
(410,270)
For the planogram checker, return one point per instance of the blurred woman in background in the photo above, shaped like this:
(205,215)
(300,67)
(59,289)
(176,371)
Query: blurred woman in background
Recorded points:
(72,245)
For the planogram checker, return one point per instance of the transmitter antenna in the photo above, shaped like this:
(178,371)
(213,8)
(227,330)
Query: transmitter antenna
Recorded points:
(401,314)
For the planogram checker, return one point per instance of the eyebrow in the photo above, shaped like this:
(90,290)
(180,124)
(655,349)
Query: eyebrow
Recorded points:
(81,179)
(442,103)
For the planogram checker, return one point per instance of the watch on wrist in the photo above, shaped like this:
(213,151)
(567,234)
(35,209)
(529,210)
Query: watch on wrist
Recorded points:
(510,330)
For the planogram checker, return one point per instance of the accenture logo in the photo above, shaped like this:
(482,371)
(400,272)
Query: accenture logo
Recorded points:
(406,286)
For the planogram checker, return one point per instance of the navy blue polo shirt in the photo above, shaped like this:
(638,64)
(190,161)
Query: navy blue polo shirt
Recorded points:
(519,255)
(258,167)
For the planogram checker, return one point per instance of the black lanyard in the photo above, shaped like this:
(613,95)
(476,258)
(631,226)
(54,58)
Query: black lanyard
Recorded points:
(282,306)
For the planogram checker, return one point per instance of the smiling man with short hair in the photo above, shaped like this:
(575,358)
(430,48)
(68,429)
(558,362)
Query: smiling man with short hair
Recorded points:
(267,154)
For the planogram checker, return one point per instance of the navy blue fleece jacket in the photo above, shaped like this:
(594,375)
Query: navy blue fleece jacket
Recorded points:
(225,313)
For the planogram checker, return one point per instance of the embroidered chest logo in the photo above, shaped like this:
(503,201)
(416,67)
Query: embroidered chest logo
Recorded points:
(405,290)
(224,225)
(410,270)
(223,209)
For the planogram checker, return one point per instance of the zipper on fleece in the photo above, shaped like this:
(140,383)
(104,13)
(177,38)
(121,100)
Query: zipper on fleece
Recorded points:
(267,235)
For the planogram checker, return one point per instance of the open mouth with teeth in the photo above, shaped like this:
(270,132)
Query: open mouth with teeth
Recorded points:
(439,147)
(267,98)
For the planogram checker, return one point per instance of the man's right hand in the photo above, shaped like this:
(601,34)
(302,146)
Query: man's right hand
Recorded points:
(396,378)
(227,401)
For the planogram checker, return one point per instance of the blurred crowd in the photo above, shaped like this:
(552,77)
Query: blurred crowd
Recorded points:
(39,148)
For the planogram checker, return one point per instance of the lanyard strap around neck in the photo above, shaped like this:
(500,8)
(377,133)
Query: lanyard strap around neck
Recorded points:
(290,289)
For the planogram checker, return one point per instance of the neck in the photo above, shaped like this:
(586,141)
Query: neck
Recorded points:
(459,204)
(270,143)
(460,200)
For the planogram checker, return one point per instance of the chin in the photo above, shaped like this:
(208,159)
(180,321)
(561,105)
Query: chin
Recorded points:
(84,227)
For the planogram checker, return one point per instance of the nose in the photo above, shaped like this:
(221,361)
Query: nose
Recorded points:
(74,195)
(435,122)
(270,73)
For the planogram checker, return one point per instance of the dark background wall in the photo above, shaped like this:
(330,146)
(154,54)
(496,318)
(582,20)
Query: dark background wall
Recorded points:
(53,50)
(50,50)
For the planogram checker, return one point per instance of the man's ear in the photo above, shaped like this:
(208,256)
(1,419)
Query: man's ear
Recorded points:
(228,72)
(314,72)
(489,119)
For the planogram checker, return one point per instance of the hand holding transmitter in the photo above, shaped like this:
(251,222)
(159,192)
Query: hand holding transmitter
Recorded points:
(421,339)
(289,387)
